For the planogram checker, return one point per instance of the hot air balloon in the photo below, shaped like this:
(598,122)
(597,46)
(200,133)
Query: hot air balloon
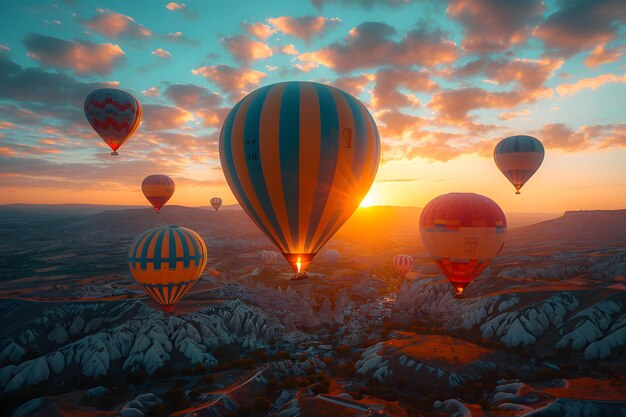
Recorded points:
(216,202)
(403,263)
(114,115)
(158,189)
(331,256)
(299,157)
(518,158)
(462,232)
(167,261)
(268,258)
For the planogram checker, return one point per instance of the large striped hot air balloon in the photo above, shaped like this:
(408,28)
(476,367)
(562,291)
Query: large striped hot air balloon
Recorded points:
(158,189)
(114,115)
(299,157)
(167,261)
(216,203)
(403,263)
(518,158)
(462,232)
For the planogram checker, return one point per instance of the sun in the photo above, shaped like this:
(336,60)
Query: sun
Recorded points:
(370,199)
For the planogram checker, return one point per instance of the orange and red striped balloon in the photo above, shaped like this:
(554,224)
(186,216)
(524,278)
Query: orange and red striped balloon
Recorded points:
(462,232)
(158,189)
(299,157)
(167,262)
(114,115)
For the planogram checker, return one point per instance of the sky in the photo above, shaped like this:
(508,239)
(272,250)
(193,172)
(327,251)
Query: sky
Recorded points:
(444,80)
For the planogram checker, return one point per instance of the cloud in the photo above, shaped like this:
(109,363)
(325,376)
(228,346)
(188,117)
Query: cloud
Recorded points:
(245,49)
(259,30)
(581,25)
(115,25)
(561,136)
(454,106)
(4,47)
(192,97)
(529,74)
(151,92)
(158,117)
(371,45)
(590,83)
(84,57)
(180,38)
(230,79)
(288,49)
(305,27)
(385,93)
(181,7)
(354,85)
(513,115)
(601,55)
(161,53)
(366,4)
(495,25)
(306,67)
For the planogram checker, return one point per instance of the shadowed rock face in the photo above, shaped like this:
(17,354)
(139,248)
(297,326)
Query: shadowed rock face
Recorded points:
(126,335)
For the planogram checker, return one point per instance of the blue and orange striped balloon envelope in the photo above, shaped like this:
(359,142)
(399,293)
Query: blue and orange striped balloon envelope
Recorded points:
(167,261)
(299,157)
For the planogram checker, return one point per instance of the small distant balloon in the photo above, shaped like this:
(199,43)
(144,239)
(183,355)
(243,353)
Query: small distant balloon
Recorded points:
(167,261)
(403,263)
(268,258)
(114,115)
(518,158)
(158,189)
(462,232)
(216,203)
(332,256)
(299,157)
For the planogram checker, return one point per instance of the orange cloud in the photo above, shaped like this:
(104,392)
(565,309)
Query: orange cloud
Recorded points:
(245,49)
(600,55)
(370,45)
(158,117)
(590,83)
(581,25)
(385,93)
(161,53)
(288,49)
(231,79)
(305,27)
(259,30)
(116,25)
(151,92)
(83,57)
(495,25)
(513,115)
(354,85)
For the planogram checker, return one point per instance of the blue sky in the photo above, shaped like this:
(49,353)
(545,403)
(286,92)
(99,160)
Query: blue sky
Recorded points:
(445,80)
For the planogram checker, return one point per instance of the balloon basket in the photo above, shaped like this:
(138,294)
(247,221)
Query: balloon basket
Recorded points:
(169,308)
(114,153)
(459,296)
(300,276)
(517,192)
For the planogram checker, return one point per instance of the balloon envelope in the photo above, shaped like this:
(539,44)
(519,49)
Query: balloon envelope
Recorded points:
(216,203)
(268,258)
(331,256)
(518,158)
(403,263)
(462,232)
(158,189)
(167,261)
(114,115)
(299,157)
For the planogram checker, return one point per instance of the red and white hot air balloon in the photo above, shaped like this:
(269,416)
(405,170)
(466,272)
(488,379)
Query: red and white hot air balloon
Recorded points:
(158,189)
(267,258)
(216,203)
(462,232)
